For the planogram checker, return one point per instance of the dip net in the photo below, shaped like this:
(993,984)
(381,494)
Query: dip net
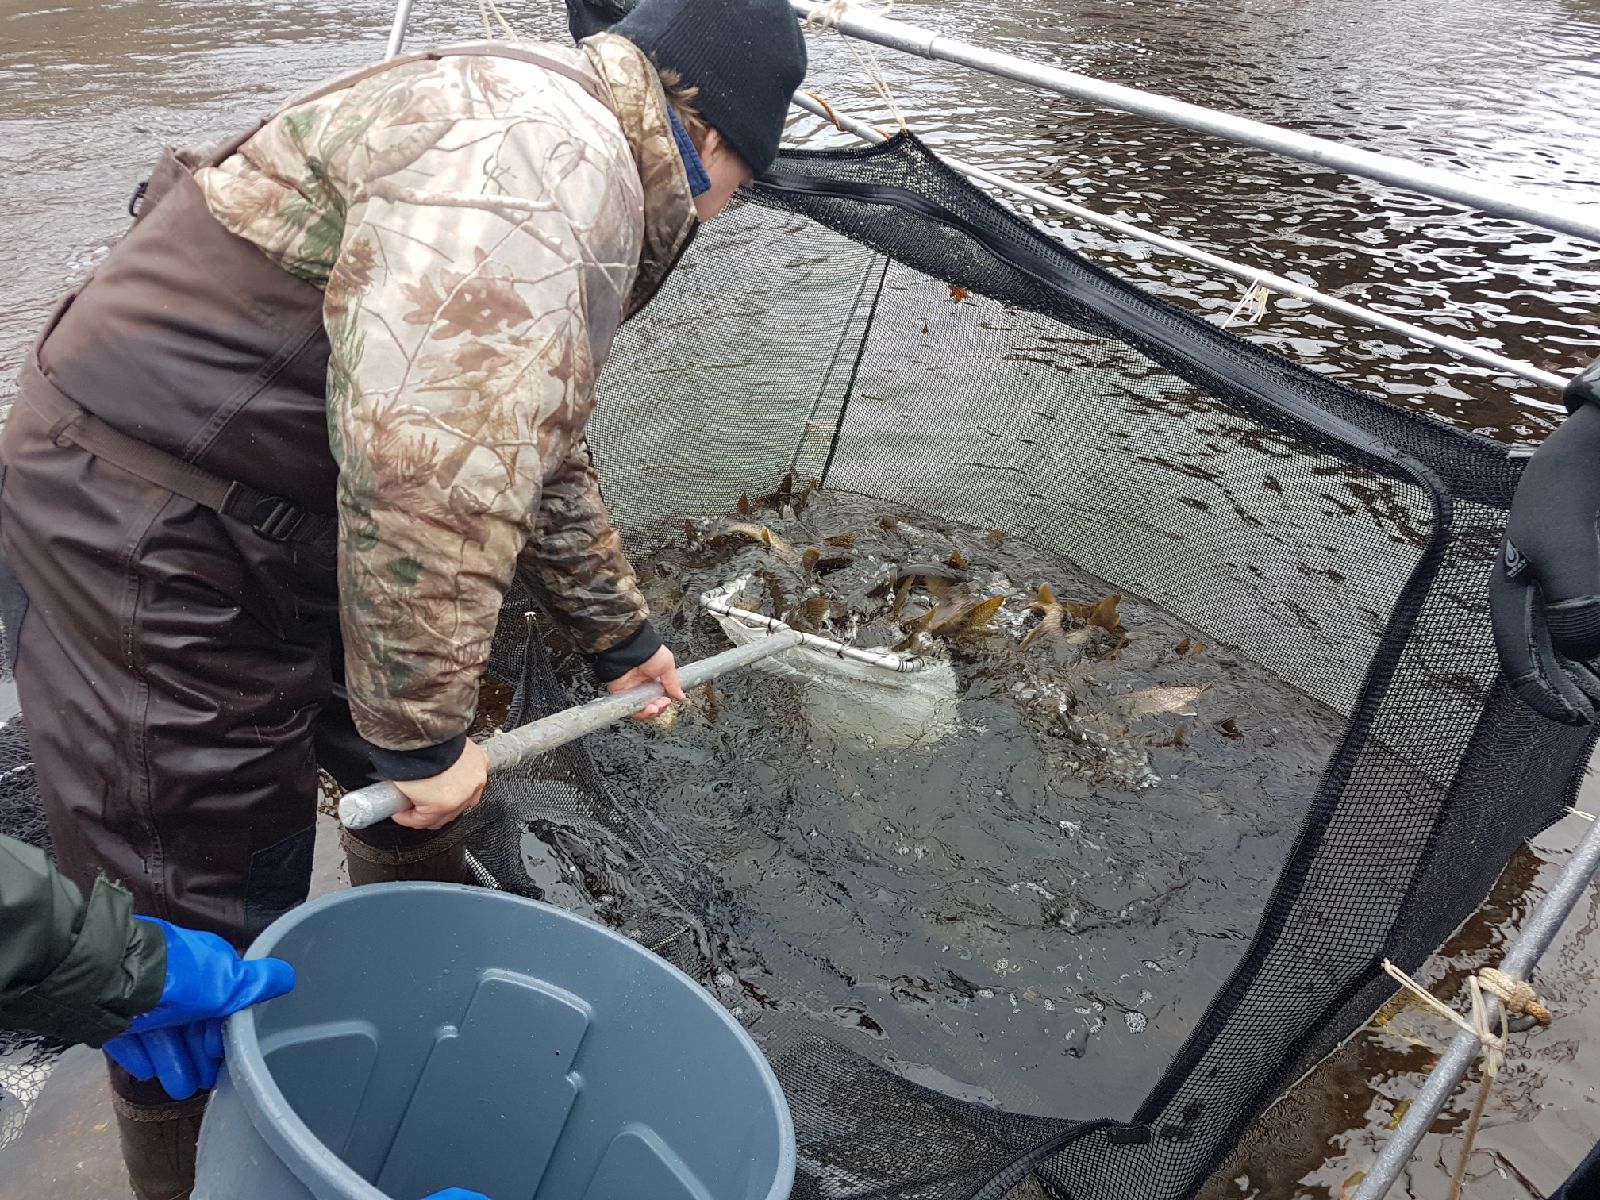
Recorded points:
(873,322)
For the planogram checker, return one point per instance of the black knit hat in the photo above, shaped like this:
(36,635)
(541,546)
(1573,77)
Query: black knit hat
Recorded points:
(746,57)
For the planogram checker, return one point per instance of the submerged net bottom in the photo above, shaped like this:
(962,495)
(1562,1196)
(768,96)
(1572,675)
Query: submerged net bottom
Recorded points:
(863,1130)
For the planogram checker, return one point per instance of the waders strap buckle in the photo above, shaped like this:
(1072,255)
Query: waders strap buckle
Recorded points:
(273,517)
(136,201)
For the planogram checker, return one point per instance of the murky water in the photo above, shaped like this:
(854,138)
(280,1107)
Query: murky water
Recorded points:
(1022,871)
(88,92)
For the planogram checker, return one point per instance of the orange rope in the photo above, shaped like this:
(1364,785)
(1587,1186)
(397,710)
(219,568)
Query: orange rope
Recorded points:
(832,116)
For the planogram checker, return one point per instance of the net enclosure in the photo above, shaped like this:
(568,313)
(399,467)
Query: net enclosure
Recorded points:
(871,321)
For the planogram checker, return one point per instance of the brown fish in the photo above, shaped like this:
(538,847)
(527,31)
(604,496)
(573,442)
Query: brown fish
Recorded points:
(954,619)
(810,614)
(750,532)
(901,591)
(930,570)
(1052,617)
(1102,613)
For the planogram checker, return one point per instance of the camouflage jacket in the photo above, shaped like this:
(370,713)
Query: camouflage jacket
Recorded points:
(480,227)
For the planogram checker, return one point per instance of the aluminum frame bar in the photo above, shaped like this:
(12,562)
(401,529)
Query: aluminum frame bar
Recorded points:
(1497,199)
(1526,949)
(397,29)
(1269,280)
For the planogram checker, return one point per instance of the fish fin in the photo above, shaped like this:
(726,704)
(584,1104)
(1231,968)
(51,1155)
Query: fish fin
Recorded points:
(982,613)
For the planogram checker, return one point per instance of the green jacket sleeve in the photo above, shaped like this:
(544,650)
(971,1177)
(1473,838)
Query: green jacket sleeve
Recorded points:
(71,969)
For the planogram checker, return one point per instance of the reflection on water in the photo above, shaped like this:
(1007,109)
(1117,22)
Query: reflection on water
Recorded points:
(89,91)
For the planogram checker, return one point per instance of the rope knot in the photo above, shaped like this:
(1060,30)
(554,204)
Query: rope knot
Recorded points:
(1516,996)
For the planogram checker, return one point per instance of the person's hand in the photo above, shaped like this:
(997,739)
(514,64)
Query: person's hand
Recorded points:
(660,667)
(441,798)
(1544,593)
(179,1041)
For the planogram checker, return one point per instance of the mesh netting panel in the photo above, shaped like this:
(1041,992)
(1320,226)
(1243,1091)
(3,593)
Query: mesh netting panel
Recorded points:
(1338,541)
(1335,540)
(751,364)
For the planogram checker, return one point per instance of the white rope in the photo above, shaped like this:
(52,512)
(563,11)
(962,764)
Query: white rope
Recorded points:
(1515,996)
(485,8)
(827,17)
(1255,298)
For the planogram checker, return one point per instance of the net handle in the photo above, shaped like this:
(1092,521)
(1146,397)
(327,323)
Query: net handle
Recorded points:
(369,805)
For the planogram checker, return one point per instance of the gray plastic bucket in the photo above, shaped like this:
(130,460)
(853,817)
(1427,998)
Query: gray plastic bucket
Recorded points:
(452,1036)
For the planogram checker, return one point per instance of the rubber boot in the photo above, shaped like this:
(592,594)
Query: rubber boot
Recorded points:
(159,1143)
(443,860)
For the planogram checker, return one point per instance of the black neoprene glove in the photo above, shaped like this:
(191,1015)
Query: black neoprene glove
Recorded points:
(1544,594)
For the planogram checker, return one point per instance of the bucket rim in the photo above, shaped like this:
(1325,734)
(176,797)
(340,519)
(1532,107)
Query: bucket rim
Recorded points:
(315,1164)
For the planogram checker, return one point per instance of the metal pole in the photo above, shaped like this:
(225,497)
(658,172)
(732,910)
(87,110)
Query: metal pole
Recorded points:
(1276,283)
(1451,1068)
(369,805)
(1488,197)
(397,31)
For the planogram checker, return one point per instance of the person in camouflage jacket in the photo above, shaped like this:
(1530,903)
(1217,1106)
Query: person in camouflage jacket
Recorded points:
(274,465)
(479,236)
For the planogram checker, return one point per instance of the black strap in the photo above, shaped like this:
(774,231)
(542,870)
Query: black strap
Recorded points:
(528,54)
(273,517)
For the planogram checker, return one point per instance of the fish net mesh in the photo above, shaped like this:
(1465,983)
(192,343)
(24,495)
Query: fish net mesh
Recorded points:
(872,321)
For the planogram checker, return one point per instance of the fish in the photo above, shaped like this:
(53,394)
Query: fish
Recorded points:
(1052,617)
(978,620)
(810,613)
(901,591)
(775,593)
(1099,633)
(956,618)
(841,539)
(751,532)
(1158,701)
(930,570)
(1102,613)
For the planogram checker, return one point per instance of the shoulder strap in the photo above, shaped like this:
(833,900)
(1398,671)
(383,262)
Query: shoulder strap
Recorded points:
(529,54)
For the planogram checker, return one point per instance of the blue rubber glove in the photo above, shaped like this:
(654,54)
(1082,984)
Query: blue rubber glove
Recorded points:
(456,1194)
(179,1041)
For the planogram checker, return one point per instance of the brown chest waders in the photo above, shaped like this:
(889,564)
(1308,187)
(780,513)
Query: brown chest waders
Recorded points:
(166,525)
